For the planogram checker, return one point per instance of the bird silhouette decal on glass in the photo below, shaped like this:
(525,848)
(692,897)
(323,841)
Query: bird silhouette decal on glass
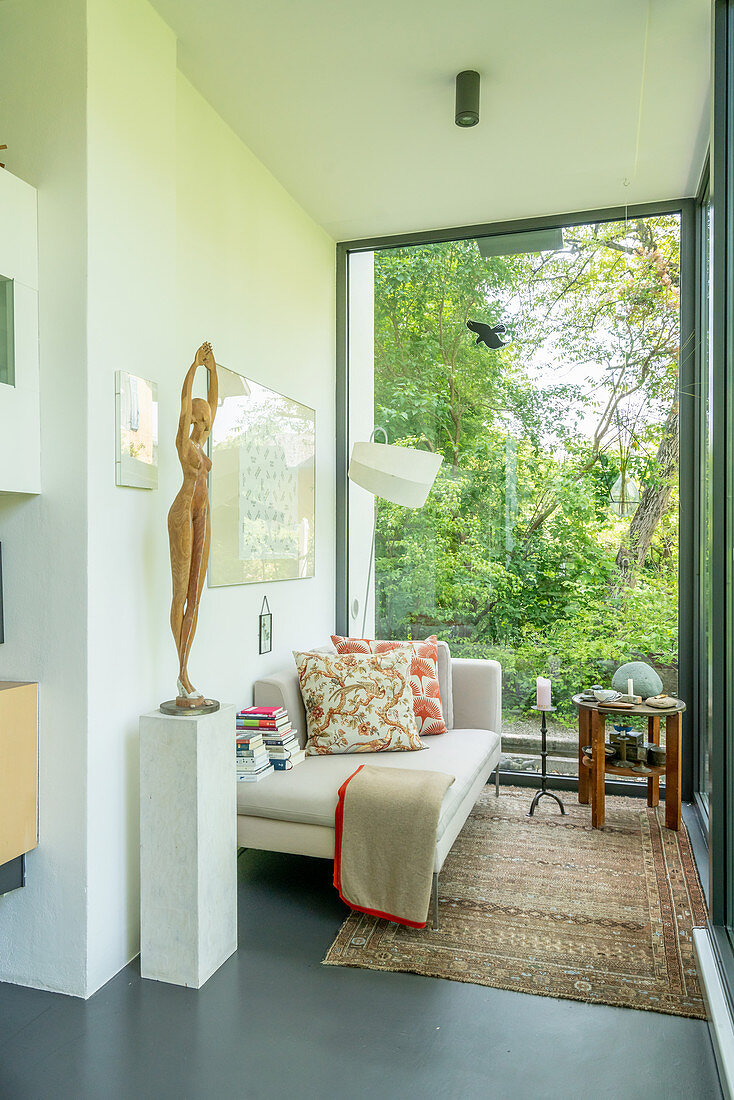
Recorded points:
(488,335)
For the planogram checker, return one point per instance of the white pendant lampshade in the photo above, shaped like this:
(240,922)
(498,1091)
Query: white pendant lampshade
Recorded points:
(402,475)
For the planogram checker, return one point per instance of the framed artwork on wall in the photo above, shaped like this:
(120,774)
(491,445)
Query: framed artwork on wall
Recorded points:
(2,613)
(261,485)
(136,431)
(266,627)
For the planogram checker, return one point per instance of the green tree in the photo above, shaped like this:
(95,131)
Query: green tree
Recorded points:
(517,546)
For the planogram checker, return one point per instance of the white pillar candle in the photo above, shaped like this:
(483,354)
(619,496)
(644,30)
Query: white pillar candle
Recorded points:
(543,691)
(630,686)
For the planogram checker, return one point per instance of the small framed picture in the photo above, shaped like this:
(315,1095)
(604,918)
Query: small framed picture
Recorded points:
(266,627)
(136,434)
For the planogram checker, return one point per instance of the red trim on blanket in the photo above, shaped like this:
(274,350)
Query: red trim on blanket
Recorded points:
(338,826)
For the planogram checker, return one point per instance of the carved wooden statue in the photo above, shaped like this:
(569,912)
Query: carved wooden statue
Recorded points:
(189,525)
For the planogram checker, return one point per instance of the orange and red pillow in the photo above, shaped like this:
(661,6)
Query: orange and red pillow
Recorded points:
(423,676)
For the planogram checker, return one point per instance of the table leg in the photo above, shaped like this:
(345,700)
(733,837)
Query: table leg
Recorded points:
(584,739)
(673,727)
(653,783)
(597,770)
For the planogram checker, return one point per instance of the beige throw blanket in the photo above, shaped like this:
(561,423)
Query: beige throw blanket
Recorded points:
(386,821)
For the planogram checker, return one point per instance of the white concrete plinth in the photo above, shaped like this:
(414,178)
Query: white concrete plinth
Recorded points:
(188,845)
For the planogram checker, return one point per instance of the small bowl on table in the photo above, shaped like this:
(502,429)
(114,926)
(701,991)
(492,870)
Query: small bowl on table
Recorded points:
(607,695)
(609,751)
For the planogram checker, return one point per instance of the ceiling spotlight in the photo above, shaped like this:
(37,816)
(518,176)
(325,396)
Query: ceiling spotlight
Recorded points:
(467,98)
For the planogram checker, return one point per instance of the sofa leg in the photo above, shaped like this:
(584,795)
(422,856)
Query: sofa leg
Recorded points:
(435,901)
(497,780)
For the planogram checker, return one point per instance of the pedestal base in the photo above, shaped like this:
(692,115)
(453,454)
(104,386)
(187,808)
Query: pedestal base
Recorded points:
(188,845)
(545,794)
(173,707)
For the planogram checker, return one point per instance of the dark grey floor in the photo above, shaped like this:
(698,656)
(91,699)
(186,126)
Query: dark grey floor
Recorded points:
(273,1022)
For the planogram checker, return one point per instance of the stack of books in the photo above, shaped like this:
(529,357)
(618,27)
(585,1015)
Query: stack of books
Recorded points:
(253,762)
(279,739)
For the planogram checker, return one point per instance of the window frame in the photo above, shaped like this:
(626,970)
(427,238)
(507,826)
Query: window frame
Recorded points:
(700,698)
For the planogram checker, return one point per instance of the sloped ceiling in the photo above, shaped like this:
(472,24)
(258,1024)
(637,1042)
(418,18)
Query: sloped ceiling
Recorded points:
(350,105)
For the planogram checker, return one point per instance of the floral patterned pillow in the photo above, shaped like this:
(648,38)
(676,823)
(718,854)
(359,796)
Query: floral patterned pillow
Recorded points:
(423,675)
(357,703)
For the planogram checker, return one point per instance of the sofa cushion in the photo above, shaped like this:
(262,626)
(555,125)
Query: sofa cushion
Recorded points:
(358,704)
(427,702)
(308,793)
(445,683)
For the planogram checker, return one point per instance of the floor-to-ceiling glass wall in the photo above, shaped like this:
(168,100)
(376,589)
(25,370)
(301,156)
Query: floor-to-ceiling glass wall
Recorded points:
(543,367)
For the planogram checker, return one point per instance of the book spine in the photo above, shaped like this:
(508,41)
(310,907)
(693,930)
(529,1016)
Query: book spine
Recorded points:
(247,725)
(248,720)
(262,717)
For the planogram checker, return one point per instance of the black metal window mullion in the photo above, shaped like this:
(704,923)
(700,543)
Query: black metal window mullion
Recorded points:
(687,489)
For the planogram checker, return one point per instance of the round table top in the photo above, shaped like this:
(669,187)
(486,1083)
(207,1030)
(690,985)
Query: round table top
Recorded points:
(640,711)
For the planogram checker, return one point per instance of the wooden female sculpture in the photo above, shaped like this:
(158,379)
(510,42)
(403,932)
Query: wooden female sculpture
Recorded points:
(189,526)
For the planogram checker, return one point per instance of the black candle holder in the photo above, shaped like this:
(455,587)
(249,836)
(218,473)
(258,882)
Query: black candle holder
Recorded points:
(544,777)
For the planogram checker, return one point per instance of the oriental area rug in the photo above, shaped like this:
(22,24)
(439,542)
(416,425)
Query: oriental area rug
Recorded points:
(548,905)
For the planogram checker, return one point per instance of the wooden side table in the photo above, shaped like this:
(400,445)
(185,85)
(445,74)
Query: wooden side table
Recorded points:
(592,771)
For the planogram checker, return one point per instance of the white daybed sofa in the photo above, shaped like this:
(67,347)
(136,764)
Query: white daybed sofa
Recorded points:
(294,811)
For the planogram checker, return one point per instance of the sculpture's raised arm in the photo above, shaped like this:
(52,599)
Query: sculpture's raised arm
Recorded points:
(213,389)
(203,357)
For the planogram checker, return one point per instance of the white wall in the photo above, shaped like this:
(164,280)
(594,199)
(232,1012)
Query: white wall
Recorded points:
(42,88)
(257,277)
(185,237)
(190,239)
(131,184)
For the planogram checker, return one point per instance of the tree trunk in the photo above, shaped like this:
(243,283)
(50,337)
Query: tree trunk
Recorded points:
(654,501)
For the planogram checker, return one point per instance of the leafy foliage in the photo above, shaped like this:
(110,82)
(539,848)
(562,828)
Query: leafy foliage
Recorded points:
(517,553)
